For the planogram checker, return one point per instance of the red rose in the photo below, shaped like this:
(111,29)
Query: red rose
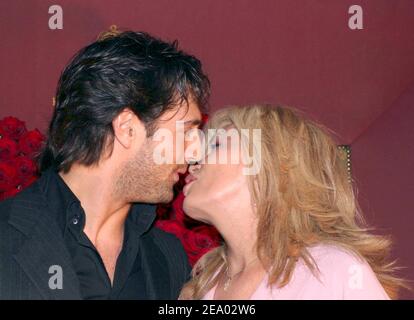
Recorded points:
(9,193)
(3,133)
(27,182)
(8,177)
(199,241)
(31,142)
(8,149)
(12,128)
(25,168)
(15,189)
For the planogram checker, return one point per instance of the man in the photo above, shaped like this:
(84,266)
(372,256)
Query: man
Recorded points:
(84,230)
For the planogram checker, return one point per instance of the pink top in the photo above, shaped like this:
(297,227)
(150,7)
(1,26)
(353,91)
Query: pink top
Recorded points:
(342,276)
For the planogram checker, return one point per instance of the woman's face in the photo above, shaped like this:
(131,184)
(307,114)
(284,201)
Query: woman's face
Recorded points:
(217,191)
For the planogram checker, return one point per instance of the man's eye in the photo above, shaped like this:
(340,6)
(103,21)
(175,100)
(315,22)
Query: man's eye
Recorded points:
(214,145)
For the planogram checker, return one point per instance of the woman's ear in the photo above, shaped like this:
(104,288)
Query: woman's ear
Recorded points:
(128,128)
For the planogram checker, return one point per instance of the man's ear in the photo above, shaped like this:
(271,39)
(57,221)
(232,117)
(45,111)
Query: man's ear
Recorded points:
(128,128)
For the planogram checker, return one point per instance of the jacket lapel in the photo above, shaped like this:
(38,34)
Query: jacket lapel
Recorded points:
(42,249)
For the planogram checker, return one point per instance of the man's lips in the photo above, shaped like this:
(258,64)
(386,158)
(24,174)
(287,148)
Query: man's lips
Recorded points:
(177,173)
(182,170)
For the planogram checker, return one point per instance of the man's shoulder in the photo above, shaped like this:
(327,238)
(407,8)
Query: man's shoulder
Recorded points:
(10,211)
(28,199)
(5,208)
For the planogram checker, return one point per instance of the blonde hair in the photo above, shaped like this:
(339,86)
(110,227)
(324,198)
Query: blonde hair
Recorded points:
(303,197)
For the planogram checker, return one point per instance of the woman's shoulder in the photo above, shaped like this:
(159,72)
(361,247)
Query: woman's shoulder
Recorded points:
(346,273)
(336,260)
(326,253)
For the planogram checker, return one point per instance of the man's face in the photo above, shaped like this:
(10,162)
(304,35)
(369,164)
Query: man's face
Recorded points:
(142,179)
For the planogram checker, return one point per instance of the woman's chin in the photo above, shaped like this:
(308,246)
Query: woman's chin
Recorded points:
(187,206)
(192,208)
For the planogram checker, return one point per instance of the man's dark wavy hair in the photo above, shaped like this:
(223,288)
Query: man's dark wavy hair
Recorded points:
(129,69)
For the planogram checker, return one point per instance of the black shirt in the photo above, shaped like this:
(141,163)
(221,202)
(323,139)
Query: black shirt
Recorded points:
(94,282)
(32,225)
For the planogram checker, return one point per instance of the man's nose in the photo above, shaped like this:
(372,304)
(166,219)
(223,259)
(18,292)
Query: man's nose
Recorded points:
(194,151)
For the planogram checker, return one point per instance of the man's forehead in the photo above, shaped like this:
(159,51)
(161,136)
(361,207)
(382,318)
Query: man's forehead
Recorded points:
(190,111)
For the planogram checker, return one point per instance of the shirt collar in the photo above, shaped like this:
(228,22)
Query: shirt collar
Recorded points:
(59,196)
(142,217)
(64,202)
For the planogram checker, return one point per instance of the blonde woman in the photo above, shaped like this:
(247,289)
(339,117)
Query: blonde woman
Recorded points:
(292,230)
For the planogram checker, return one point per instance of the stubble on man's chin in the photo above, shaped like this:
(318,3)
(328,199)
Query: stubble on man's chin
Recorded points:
(143,181)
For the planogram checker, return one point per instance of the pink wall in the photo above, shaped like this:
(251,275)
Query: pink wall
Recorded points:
(383,165)
(300,53)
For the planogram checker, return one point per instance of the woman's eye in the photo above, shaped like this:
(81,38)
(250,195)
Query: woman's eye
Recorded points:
(214,145)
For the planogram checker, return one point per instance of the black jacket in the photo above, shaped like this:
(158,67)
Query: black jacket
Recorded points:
(31,241)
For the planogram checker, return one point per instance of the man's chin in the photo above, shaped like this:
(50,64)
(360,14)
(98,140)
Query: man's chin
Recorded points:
(167,199)
(164,197)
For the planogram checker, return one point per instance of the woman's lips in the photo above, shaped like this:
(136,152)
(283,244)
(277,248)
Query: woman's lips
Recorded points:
(189,178)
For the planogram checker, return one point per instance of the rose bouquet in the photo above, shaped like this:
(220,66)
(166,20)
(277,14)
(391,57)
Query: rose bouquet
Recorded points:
(18,151)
